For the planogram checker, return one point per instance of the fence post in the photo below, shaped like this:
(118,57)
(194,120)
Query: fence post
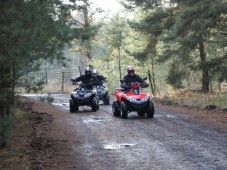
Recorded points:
(46,76)
(62,79)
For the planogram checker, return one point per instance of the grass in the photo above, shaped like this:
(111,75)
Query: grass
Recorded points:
(197,99)
(18,132)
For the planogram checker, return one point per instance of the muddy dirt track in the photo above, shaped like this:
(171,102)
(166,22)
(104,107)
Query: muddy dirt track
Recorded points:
(173,139)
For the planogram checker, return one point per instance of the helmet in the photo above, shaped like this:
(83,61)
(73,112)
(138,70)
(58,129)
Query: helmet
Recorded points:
(88,71)
(130,70)
(95,72)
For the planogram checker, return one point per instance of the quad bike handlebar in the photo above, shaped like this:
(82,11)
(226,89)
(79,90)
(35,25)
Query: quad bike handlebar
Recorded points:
(89,83)
(74,82)
(134,85)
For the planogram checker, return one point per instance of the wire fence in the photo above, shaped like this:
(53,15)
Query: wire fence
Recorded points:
(57,79)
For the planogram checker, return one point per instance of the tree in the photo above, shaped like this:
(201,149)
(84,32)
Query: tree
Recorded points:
(185,27)
(116,34)
(148,31)
(193,29)
(85,22)
(30,31)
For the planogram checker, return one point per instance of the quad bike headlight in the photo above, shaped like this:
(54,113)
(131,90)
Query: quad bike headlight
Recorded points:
(75,94)
(145,99)
(103,92)
(87,95)
(131,99)
(93,91)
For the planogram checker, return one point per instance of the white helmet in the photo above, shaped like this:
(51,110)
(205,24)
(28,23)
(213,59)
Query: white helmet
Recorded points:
(95,72)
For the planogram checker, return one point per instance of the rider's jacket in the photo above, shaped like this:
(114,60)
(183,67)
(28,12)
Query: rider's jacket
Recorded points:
(87,79)
(132,78)
(101,79)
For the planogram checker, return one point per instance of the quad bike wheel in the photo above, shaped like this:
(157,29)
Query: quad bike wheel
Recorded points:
(115,109)
(97,98)
(72,106)
(94,104)
(150,110)
(124,110)
(106,99)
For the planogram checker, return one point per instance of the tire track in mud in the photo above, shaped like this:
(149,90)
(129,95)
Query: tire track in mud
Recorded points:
(140,152)
(91,154)
(150,144)
(130,157)
(196,151)
(115,133)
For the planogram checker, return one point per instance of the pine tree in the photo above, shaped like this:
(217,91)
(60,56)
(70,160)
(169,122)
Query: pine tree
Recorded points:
(29,31)
(185,27)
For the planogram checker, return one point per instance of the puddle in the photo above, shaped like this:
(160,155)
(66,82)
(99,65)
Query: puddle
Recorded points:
(60,104)
(118,146)
(96,120)
(34,95)
(158,116)
(168,116)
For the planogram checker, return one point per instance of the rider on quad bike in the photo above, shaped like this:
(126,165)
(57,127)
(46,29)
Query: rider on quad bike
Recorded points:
(101,78)
(131,98)
(88,79)
(85,94)
(131,77)
(102,91)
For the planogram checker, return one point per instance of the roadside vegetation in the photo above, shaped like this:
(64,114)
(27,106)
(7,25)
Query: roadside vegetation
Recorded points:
(195,99)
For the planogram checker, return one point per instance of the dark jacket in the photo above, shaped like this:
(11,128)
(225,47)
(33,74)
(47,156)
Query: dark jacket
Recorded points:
(86,80)
(128,79)
(101,79)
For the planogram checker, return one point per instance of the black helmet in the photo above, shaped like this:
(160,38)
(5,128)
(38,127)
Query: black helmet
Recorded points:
(88,71)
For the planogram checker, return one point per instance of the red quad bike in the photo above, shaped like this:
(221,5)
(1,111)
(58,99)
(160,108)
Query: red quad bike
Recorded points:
(132,99)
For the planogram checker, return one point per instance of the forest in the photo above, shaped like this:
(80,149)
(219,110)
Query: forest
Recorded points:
(176,43)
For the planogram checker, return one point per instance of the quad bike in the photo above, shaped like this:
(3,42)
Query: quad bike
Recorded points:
(103,95)
(85,95)
(131,98)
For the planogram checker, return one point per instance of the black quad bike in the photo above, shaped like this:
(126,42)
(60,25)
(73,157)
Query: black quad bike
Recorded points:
(84,95)
(103,94)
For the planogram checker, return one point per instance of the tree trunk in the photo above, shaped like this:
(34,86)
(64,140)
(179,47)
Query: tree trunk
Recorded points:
(119,61)
(86,25)
(205,73)
(153,75)
(88,54)
(5,91)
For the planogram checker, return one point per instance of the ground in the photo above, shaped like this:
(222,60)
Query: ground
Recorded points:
(32,146)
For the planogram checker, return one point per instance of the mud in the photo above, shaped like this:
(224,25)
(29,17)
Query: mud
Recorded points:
(176,138)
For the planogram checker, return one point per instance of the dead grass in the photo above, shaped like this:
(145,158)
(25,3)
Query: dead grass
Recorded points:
(17,142)
(195,98)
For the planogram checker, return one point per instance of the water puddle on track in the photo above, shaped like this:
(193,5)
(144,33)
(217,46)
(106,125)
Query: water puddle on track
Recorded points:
(96,120)
(167,116)
(118,146)
(61,104)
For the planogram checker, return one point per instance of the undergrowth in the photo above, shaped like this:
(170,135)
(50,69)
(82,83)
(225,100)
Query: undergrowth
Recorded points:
(197,99)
